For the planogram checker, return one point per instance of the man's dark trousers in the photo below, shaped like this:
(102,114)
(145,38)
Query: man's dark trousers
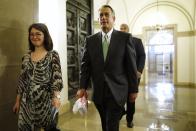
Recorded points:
(130,108)
(110,112)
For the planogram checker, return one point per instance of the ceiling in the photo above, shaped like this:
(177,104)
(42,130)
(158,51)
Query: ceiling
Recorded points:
(138,14)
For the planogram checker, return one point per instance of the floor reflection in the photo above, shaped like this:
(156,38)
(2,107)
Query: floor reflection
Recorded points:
(160,106)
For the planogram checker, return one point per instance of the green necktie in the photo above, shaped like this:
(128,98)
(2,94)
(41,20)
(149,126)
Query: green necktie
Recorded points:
(105,45)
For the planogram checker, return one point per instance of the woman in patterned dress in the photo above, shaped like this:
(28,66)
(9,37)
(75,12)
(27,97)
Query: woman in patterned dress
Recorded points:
(40,83)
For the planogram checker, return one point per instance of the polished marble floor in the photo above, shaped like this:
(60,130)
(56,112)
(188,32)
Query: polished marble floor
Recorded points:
(160,106)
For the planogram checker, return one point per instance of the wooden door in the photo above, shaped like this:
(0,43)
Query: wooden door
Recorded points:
(78,27)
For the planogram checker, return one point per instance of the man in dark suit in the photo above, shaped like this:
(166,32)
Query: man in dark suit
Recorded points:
(109,61)
(140,62)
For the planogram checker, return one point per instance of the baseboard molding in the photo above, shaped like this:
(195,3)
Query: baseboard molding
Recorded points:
(65,108)
(185,84)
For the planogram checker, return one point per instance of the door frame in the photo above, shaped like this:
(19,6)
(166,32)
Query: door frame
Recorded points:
(174,58)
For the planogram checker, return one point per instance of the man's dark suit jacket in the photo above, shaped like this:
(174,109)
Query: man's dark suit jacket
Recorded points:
(119,70)
(140,54)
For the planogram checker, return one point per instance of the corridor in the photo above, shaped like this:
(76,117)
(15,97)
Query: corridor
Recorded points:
(167,28)
(158,106)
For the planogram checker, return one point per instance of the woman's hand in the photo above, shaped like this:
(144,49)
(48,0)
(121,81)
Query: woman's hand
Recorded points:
(56,102)
(16,105)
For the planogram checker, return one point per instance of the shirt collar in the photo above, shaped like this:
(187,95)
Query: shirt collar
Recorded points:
(108,34)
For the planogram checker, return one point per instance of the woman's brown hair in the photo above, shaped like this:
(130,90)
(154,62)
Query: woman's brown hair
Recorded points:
(48,44)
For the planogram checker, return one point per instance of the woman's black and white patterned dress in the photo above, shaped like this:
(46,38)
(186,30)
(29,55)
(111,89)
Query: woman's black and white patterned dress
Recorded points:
(37,82)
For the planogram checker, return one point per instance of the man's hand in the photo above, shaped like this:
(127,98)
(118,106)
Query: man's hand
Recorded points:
(81,93)
(139,74)
(132,97)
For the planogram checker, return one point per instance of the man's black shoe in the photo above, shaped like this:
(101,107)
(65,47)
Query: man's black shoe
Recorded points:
(130,124)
